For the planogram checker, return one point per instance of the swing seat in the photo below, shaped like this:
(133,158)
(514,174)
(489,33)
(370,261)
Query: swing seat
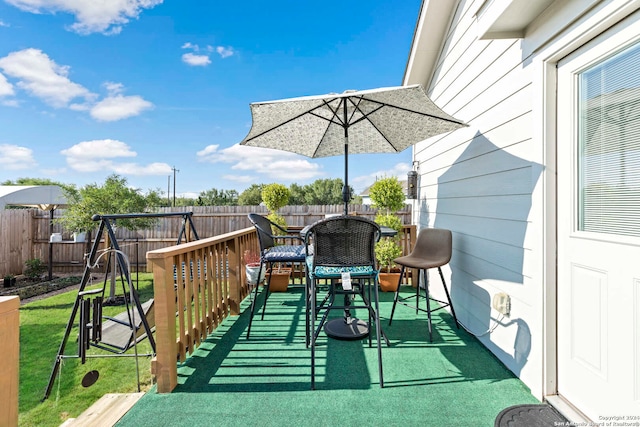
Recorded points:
(118,333)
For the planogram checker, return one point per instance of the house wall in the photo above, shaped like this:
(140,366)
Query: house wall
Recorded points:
(492,183)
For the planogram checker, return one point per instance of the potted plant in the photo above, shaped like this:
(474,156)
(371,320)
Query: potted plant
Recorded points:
(387,195)
(9,280)
(252,266)
(279,281)
(276,196)
(386,251)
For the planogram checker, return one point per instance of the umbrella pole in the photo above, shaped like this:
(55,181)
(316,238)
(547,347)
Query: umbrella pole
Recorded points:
(346,197)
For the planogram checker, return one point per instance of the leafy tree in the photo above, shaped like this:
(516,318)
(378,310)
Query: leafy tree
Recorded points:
(37,181)
(252,196)
(297,194)
(320,192)
(185,201)
(275,196)
(324,191)
(387,194)
(215,197)
(113,197)
(156,198)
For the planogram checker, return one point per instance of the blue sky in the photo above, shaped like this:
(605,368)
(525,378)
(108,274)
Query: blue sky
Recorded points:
(89,88)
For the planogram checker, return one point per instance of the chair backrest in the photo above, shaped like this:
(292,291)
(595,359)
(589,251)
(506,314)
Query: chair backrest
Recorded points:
(264,230)
(434,243)
(344,241)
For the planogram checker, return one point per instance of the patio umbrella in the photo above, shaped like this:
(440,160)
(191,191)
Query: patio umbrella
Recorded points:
(385,120)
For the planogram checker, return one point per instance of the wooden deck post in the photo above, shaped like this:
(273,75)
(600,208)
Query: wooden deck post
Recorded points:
(235,276)
(9,368)
(165,366)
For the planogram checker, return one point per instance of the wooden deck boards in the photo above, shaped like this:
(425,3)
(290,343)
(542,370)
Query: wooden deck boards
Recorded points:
(106,411)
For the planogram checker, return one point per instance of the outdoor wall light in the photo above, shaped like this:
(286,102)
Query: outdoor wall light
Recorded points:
(412,185)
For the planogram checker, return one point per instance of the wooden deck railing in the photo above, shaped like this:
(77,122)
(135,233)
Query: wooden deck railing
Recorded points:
(198,284)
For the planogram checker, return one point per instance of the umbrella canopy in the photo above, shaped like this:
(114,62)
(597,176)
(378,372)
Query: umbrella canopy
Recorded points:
(385,120)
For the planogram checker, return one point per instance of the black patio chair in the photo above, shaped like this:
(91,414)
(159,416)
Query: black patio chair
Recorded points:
(432,250)
(271,252)
(337,245)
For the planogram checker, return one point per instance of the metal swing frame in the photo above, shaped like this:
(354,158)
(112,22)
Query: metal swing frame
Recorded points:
(85,305)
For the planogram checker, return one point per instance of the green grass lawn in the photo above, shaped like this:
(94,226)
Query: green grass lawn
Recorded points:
(42,326)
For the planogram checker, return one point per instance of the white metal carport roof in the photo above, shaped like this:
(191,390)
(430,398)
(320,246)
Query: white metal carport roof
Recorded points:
(45,197)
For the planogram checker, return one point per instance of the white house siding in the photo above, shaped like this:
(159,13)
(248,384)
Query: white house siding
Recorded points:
(490,183)
(479,183)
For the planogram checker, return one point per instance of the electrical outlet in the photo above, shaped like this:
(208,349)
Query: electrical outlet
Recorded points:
(502,303)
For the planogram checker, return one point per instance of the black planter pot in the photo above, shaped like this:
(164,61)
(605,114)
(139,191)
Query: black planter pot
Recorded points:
(10,282)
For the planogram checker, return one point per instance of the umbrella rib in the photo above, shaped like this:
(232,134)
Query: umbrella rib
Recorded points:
(333,120)
(334,114)
(292,119)
(365,116)
(384,104)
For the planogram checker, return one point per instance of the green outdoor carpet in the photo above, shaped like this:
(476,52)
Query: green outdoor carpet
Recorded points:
(265,380)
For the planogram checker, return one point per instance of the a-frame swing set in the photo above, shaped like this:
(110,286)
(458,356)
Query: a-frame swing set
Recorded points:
(119,333)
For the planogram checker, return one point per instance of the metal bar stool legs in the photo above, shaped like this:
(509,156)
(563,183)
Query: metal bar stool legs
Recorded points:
(448,303)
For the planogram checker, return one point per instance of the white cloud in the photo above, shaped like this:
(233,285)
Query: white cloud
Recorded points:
(103,155)
(274,164)
(196,60)
(398,170)
(92,16)
(14,157)
(99,148)
(41,77)
(113,88)
(3,24)
(9,103)
(225,52)
(6,88)
(117,107)
(136,169)
(189,195)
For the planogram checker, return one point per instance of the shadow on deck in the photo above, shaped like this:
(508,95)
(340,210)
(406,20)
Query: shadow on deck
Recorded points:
(265,380)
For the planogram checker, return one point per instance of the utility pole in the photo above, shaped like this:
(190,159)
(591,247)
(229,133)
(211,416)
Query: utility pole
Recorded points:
(174,184)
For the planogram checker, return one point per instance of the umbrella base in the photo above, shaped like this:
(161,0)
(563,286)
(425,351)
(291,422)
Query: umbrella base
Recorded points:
(347,329)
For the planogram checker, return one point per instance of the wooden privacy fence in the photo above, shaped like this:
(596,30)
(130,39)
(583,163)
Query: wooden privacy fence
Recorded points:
(24,233)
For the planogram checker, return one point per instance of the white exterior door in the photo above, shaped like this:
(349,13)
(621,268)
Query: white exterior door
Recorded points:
(598,219)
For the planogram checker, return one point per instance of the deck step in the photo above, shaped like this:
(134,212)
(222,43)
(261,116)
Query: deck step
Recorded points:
(106,411)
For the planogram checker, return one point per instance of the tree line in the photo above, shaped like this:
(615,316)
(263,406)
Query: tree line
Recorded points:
(319,192)
(115,196)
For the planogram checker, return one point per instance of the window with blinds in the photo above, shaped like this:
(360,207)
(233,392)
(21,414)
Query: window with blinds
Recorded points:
(609,145)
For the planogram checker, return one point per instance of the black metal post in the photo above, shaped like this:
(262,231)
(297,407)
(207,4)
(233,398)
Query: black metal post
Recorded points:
(50,244)
(346,197)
